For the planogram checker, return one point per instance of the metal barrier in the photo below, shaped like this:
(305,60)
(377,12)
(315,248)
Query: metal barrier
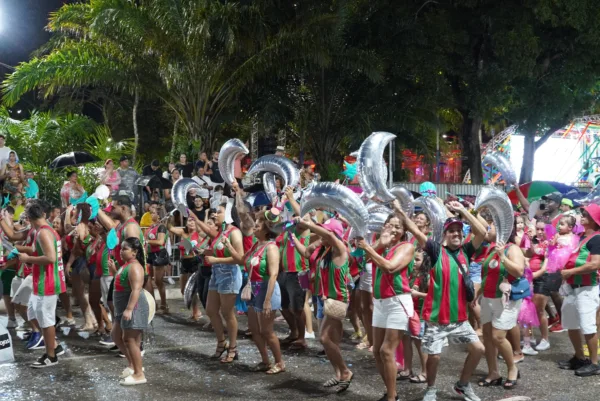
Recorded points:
(445,189)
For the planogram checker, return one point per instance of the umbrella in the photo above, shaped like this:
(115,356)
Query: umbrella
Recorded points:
(73,159)
(153,181)
(536,189)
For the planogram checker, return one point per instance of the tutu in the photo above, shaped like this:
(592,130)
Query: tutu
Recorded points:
(528,314)
(558,255)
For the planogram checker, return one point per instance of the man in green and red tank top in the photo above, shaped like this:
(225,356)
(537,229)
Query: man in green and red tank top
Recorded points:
(581,304)
(445,307)
(48,280)
(121,219)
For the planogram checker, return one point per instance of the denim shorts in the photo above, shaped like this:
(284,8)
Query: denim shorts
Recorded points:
(475,272)
(259,293)
(225,279)
(320,306)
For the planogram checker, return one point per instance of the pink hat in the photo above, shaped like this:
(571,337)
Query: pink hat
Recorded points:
(335,226)
(594,212)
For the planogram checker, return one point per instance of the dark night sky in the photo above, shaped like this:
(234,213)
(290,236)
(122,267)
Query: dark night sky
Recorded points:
(22,28)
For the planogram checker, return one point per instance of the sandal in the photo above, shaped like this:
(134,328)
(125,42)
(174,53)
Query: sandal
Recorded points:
(418,379)
(510,384)
(363,345)
(220,349)
(489,383)
(298,347)
(232,355)
(402,375)
(331,382)
(261,367)
(344,384)
(287,340)
(276,369)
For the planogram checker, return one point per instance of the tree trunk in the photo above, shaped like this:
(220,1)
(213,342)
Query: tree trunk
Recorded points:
(471,147)
(174,140)
(528,157)
(136,134)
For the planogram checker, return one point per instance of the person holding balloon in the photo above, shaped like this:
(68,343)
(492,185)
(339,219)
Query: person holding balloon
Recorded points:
(446,314)
(393,258)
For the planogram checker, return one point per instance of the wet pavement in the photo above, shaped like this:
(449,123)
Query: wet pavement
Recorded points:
(178,368)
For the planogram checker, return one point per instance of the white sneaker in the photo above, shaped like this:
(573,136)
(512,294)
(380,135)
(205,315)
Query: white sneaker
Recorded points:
(128,372)
(543,345)
(12,324)
(527,350)
(170,280)
(309,336)
(445,342)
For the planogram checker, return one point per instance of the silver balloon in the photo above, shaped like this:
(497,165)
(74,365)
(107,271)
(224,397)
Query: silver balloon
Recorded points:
(406,199)
(190,290)
(371,168)
(497,202)
(534,207)
(181,188)
(354,154)
(502,164)
(592,197)
(230,151)
(378,215)
(436,213)
(336,197)
(270,185)
(282,166)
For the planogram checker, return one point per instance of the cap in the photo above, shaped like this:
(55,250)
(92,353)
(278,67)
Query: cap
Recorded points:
(594,211)
(123,158)
(452,220)
(567,202)
(155,163)
(280,148)
(554,197)
(427,189)
(334,226)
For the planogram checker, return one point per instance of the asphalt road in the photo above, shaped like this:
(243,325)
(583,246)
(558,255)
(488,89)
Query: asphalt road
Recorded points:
(177,368)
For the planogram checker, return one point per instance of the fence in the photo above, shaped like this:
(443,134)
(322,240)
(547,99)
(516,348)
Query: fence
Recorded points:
(445,189)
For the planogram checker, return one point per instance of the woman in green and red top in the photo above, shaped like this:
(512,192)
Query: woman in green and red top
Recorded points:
(158,257)
(189,258)
(97,255)
(262,263)
(393,305)
(225,282)
(505,263)
(332,275)
(131,309)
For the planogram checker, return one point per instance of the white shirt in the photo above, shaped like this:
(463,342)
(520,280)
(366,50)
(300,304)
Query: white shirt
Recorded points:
(204,193)
(4,153)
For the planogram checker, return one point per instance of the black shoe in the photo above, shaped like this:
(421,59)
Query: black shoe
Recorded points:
(322,354)
(573,363)
(385,397)
(590,369)
(44,362)
(114,349)
(59,350)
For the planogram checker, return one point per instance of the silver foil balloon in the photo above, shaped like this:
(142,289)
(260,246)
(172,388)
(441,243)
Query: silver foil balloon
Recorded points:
(497,202)
(354,154)
(181,188)
(338,198)
(190,290)
(378,214)
(371,168)
(270,185)
(437,215)
(502,164)
(230,151)
(592,197)
(406,199)
(282,166)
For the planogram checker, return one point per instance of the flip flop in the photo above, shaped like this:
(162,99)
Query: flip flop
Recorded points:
(287,341)
(401,376)
(261,367)
(344,384)
(275,369)
(416,379)
(489,383)
(297,347)
(331,382)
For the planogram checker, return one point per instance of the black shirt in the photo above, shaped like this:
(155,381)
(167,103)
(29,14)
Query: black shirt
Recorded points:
(200,214)
(593,245)
(434,250)
(186,170)
(147,170)
(216,174)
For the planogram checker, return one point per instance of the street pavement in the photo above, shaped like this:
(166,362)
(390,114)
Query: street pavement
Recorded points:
(178,368)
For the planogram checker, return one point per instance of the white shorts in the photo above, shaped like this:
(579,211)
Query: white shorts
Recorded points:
(579,309)
(104,286)
(366,279)
(43,309)
(390,313)
(21,290)
(456,333)
(502,317)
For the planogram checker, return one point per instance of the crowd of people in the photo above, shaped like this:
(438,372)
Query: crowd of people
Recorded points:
(399,289)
